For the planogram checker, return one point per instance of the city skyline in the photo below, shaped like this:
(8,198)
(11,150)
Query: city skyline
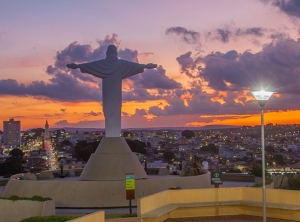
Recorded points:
(210,55)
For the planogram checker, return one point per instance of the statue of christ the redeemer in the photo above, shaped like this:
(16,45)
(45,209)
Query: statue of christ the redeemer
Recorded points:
(112,70)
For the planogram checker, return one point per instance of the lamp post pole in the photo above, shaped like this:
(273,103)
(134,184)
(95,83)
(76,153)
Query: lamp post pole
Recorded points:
(263,164)
(262,98)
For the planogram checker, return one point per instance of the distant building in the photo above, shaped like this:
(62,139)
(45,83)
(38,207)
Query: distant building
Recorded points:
(11,133)
(1,140)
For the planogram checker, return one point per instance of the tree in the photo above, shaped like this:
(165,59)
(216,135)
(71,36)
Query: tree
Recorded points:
(83,150)
(187,134)
(256,170)
(16,153)
(38,131)
(79,145)
(85,153)
(136,146)
(12,165)
(66,143)
(278,159)
(127,134)
(2,169)
(294,183)
(168,156)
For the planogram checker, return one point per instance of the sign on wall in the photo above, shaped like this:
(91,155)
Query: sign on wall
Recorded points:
(216,177)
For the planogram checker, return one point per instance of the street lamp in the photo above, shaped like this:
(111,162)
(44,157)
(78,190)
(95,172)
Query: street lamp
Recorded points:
(262,97)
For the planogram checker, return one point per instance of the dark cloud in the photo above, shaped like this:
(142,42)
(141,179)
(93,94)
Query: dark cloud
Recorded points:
(155,79)
(141,112)
(18,117)
(255,31)
(92,113)
(138,94)
(223,35)
(73,53)
(11,87)
(129,55)
(188,65)
(62,123)
(289,7)
(81,124)
(230,32)
(188,36)
(72,85)
(146,53)
(200,103)
(276,67)
(278,35)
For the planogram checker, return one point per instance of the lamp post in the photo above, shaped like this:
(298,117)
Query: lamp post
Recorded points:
(262,97)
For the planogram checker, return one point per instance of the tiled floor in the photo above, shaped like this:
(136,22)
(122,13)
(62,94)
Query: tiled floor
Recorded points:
(238,218)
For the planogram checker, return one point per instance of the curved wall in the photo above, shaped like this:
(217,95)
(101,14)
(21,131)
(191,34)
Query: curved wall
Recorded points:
(71,192)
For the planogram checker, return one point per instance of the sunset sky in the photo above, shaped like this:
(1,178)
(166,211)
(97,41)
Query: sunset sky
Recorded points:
(210,55)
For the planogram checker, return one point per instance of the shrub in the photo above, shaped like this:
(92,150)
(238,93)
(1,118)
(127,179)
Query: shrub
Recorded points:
(256,170)
(34,198)
(268,182)
(294,183)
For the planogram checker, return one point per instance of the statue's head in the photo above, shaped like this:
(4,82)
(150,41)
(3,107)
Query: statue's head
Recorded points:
(112,51)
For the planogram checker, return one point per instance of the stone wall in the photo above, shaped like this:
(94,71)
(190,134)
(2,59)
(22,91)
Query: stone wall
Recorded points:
(287,203)
(12,211)
(70,192)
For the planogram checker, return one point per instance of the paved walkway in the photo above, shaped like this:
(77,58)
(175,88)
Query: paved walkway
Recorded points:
(238,218)
(82,212)
(129,219)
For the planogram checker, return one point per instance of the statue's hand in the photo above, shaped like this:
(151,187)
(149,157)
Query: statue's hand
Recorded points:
(72,66)
(150,66)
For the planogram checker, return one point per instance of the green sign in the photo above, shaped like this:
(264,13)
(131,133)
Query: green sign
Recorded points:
(216,177)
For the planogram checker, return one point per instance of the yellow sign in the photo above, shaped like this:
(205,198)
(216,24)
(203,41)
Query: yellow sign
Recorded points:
(130,182)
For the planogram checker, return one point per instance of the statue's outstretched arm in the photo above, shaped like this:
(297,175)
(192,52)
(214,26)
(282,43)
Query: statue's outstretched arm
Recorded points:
(150,66)
(72,66)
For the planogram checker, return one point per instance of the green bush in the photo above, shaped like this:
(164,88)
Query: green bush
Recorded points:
(293,183)
(67,218)
(256,170)
(268,182)
(34,198)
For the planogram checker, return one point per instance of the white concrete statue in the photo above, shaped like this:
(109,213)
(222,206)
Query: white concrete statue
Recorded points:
(112,70)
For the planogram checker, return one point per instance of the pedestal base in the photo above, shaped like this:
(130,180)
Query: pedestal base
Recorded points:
(112,160)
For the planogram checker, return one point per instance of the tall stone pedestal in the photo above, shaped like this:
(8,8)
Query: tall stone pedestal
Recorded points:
(112,160)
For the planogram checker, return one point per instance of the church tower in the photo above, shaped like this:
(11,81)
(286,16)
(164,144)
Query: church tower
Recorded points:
(46,134)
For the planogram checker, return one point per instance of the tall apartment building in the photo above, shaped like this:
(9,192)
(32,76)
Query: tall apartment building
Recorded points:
(11,133)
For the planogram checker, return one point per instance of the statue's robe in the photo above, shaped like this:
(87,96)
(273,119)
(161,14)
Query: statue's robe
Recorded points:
(112,70)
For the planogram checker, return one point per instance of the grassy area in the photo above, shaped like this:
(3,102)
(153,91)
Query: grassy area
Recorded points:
(49,219)
(67,218)
(268,182)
